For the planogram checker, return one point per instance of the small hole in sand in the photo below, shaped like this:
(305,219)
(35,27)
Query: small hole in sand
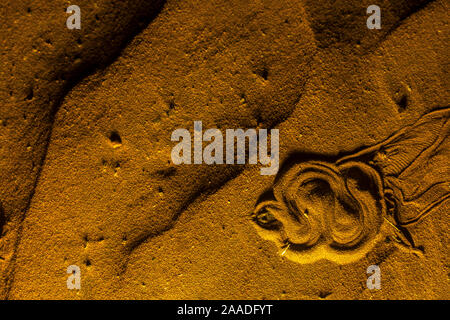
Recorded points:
(115,139)
(324,294)
(264,73)
(402,103)
(30,94)
(85,240)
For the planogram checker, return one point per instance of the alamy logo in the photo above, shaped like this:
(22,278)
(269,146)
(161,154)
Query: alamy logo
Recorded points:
(235,139)
(74,21)
(74,280)
(374,281)
(374,20)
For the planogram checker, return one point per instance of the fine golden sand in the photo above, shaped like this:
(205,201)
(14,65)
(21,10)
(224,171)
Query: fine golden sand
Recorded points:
(86,176)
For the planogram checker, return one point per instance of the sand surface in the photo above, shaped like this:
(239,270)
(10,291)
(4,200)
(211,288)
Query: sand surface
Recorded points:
(86,176)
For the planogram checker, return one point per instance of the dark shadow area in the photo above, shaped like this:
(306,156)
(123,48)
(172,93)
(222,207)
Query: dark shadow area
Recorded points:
(343,23)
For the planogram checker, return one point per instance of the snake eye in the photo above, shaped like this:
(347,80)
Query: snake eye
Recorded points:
(264,217)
